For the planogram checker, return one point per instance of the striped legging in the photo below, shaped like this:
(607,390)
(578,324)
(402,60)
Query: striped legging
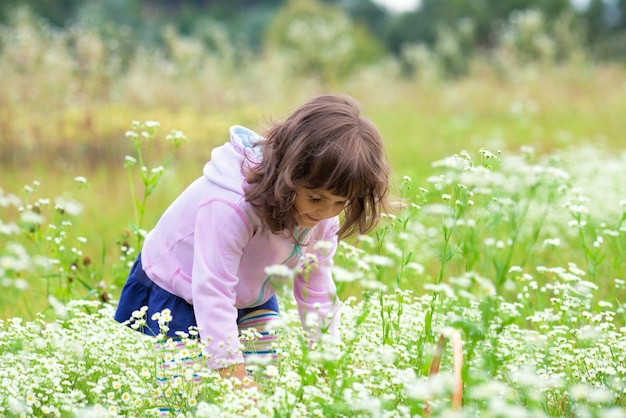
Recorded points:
(178,379)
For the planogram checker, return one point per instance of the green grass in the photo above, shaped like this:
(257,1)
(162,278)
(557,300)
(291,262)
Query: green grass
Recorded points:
(421,123)
(505,250)
(522,252)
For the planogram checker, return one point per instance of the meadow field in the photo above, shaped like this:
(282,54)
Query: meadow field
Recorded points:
(511,234)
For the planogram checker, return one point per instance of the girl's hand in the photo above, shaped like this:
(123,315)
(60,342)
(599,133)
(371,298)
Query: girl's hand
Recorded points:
(239,371)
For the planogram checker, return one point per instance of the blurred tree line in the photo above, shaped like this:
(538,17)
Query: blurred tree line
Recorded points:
(332,37)
(73,65)
(604,21)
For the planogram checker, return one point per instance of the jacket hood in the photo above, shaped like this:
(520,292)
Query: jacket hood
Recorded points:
(227,161)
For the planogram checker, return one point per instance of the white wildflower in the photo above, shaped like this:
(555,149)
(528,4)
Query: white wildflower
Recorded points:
(487,154)
(31,217)
(279,270)
(456,162)
(15,406)
(552,242)
(366,239)
(9,200)
(9,229)
(176,136)
(416,267)
(323,246)
(312,319)
(20,284)
(59,308)
(612,413)
(379,260)
(440,288)
(342,275)
(70,206)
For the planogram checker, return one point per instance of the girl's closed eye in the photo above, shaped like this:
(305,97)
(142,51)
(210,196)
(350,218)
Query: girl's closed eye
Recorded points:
(312,206)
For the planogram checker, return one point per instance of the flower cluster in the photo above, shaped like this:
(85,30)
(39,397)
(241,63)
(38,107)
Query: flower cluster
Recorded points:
(488,250)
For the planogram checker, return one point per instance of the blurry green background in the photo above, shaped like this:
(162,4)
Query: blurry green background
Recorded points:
(448,76)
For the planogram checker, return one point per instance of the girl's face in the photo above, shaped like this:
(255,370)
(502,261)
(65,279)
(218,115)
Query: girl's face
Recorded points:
(312,206)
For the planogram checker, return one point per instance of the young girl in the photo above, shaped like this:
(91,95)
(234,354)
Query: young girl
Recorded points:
(261,202)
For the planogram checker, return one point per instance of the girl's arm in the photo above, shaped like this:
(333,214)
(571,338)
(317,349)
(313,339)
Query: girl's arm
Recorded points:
(221,234)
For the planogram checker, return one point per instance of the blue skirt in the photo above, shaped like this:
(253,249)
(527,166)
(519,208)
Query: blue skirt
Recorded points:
(139,291)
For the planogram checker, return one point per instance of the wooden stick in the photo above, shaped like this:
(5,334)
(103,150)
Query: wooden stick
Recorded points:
(457,361)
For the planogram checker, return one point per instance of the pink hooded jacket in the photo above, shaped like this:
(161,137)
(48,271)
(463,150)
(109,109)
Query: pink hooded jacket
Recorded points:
(211,249)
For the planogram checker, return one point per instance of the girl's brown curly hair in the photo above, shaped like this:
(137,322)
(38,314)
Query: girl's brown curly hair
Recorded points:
(324,145)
